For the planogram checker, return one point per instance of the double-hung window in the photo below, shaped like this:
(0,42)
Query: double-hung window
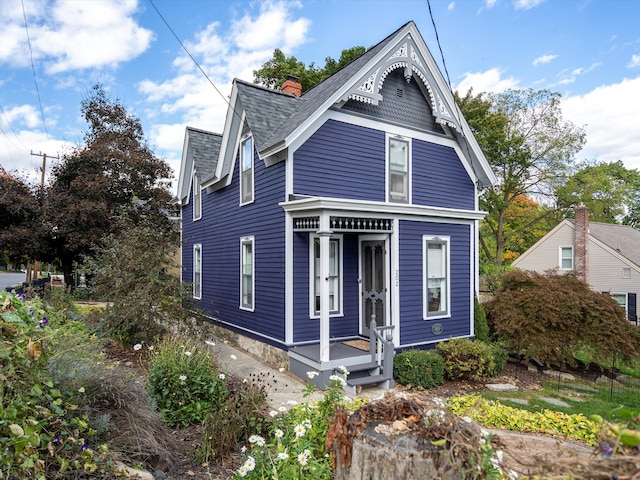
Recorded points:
(566,258)
(197,271)
(334,279)
(197,198)
(246,171)
(398,169)
(247,273)
(436,279)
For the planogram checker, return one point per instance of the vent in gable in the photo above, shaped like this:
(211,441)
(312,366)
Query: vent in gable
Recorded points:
(399,92)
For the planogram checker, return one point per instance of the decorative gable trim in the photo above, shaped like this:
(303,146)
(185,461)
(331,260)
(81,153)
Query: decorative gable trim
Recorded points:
(406,56)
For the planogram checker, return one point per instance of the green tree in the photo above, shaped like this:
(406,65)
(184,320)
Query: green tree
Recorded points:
(529,147)
(609,190)
(275,70)
(113,176)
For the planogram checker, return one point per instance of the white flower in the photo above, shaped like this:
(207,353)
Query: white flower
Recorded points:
(253,438)
(307,423)
(302,459)
(81,389)
(282,409)
(260,442)
(292,402)
(273,413)
(151,347)
(279,433)
(137,346)
(242,471)
(182,378)
(312,375)
(343,370)
(283,455)
(221,376)
(250,464)
(233,357)
(243,449)
(281,369)
(337,379)
(300,430)
(188,354)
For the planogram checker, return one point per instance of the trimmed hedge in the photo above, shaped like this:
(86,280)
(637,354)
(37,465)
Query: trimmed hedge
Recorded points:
(418,368)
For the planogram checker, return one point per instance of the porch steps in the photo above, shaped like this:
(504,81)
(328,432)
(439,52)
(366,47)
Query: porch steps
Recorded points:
(364,374)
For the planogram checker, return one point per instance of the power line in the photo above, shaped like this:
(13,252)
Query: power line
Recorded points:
(10,127)
(33,70)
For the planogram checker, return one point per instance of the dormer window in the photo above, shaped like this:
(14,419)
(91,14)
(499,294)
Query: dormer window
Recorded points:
(246,171)
(398,169)
(197,198)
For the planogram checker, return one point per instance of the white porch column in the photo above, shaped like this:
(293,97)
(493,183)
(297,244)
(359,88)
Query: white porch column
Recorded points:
(325,235)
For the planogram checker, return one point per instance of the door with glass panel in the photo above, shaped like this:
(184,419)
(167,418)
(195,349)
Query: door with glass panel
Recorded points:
(373,281)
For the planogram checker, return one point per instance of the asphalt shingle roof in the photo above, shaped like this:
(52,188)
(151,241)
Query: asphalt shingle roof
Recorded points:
(624,239)
(205,147)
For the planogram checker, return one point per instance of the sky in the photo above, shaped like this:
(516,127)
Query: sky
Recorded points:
(53,51)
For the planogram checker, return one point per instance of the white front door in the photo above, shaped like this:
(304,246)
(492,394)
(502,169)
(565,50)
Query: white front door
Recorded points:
(374,272)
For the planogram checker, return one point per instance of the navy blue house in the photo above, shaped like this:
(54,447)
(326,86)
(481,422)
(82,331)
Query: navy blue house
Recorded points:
(312,215)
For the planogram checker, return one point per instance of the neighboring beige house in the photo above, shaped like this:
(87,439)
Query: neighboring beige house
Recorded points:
(604,255)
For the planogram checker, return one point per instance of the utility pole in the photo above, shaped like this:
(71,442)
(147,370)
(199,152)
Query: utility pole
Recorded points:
(44,169)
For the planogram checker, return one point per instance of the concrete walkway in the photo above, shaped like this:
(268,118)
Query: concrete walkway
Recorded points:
(282,387)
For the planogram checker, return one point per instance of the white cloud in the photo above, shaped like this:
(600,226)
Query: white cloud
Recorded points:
(451,6)
(526,4)
(544,59)
(488,81)
(490,3)
(568,78)
(68,36)
(634,62)
(610,115)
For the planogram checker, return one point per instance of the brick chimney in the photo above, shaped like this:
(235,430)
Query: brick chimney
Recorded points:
(292,85)
(581,242)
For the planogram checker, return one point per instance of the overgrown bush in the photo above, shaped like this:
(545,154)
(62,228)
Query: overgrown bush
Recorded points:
(465,359)
(41,433)
(480,322)
(418,368)
(240,412)
(551,316)
(184,381)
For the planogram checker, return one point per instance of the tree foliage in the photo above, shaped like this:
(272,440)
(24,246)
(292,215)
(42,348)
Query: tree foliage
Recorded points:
(529,147)
(609,190)
(571,317)
(19,213)
(275,70)
(113,176)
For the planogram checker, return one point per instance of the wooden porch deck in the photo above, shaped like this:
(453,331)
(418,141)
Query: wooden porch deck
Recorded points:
(337,351)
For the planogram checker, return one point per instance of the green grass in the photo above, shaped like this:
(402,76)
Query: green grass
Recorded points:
(615,406)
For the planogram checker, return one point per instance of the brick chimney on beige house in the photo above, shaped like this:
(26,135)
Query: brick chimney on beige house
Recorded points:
(581,243)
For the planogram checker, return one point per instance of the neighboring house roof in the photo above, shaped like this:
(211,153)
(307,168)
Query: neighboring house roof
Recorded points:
(276,119)
(623,239)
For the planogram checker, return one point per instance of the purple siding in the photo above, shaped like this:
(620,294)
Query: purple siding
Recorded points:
(306,328)
(413,328)
(439,178)
(219,231)
(342,161)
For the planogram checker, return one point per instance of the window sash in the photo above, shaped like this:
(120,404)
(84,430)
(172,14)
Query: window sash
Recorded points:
(621,298)
(246,170)
(197,198)
(436,277)
(334,276)
(247,274)
(398,170)
(566,258)
(197,271)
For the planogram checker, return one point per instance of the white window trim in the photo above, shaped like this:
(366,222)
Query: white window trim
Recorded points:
(560,257)
(244,241)
(253,169)
(425,300)
(197,295)
(389,137)
(312,302)
(197,198)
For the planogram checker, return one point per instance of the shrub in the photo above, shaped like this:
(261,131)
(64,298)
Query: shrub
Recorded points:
(551,316)
(480,322)
(470,360)
(184,381)
(419,368)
